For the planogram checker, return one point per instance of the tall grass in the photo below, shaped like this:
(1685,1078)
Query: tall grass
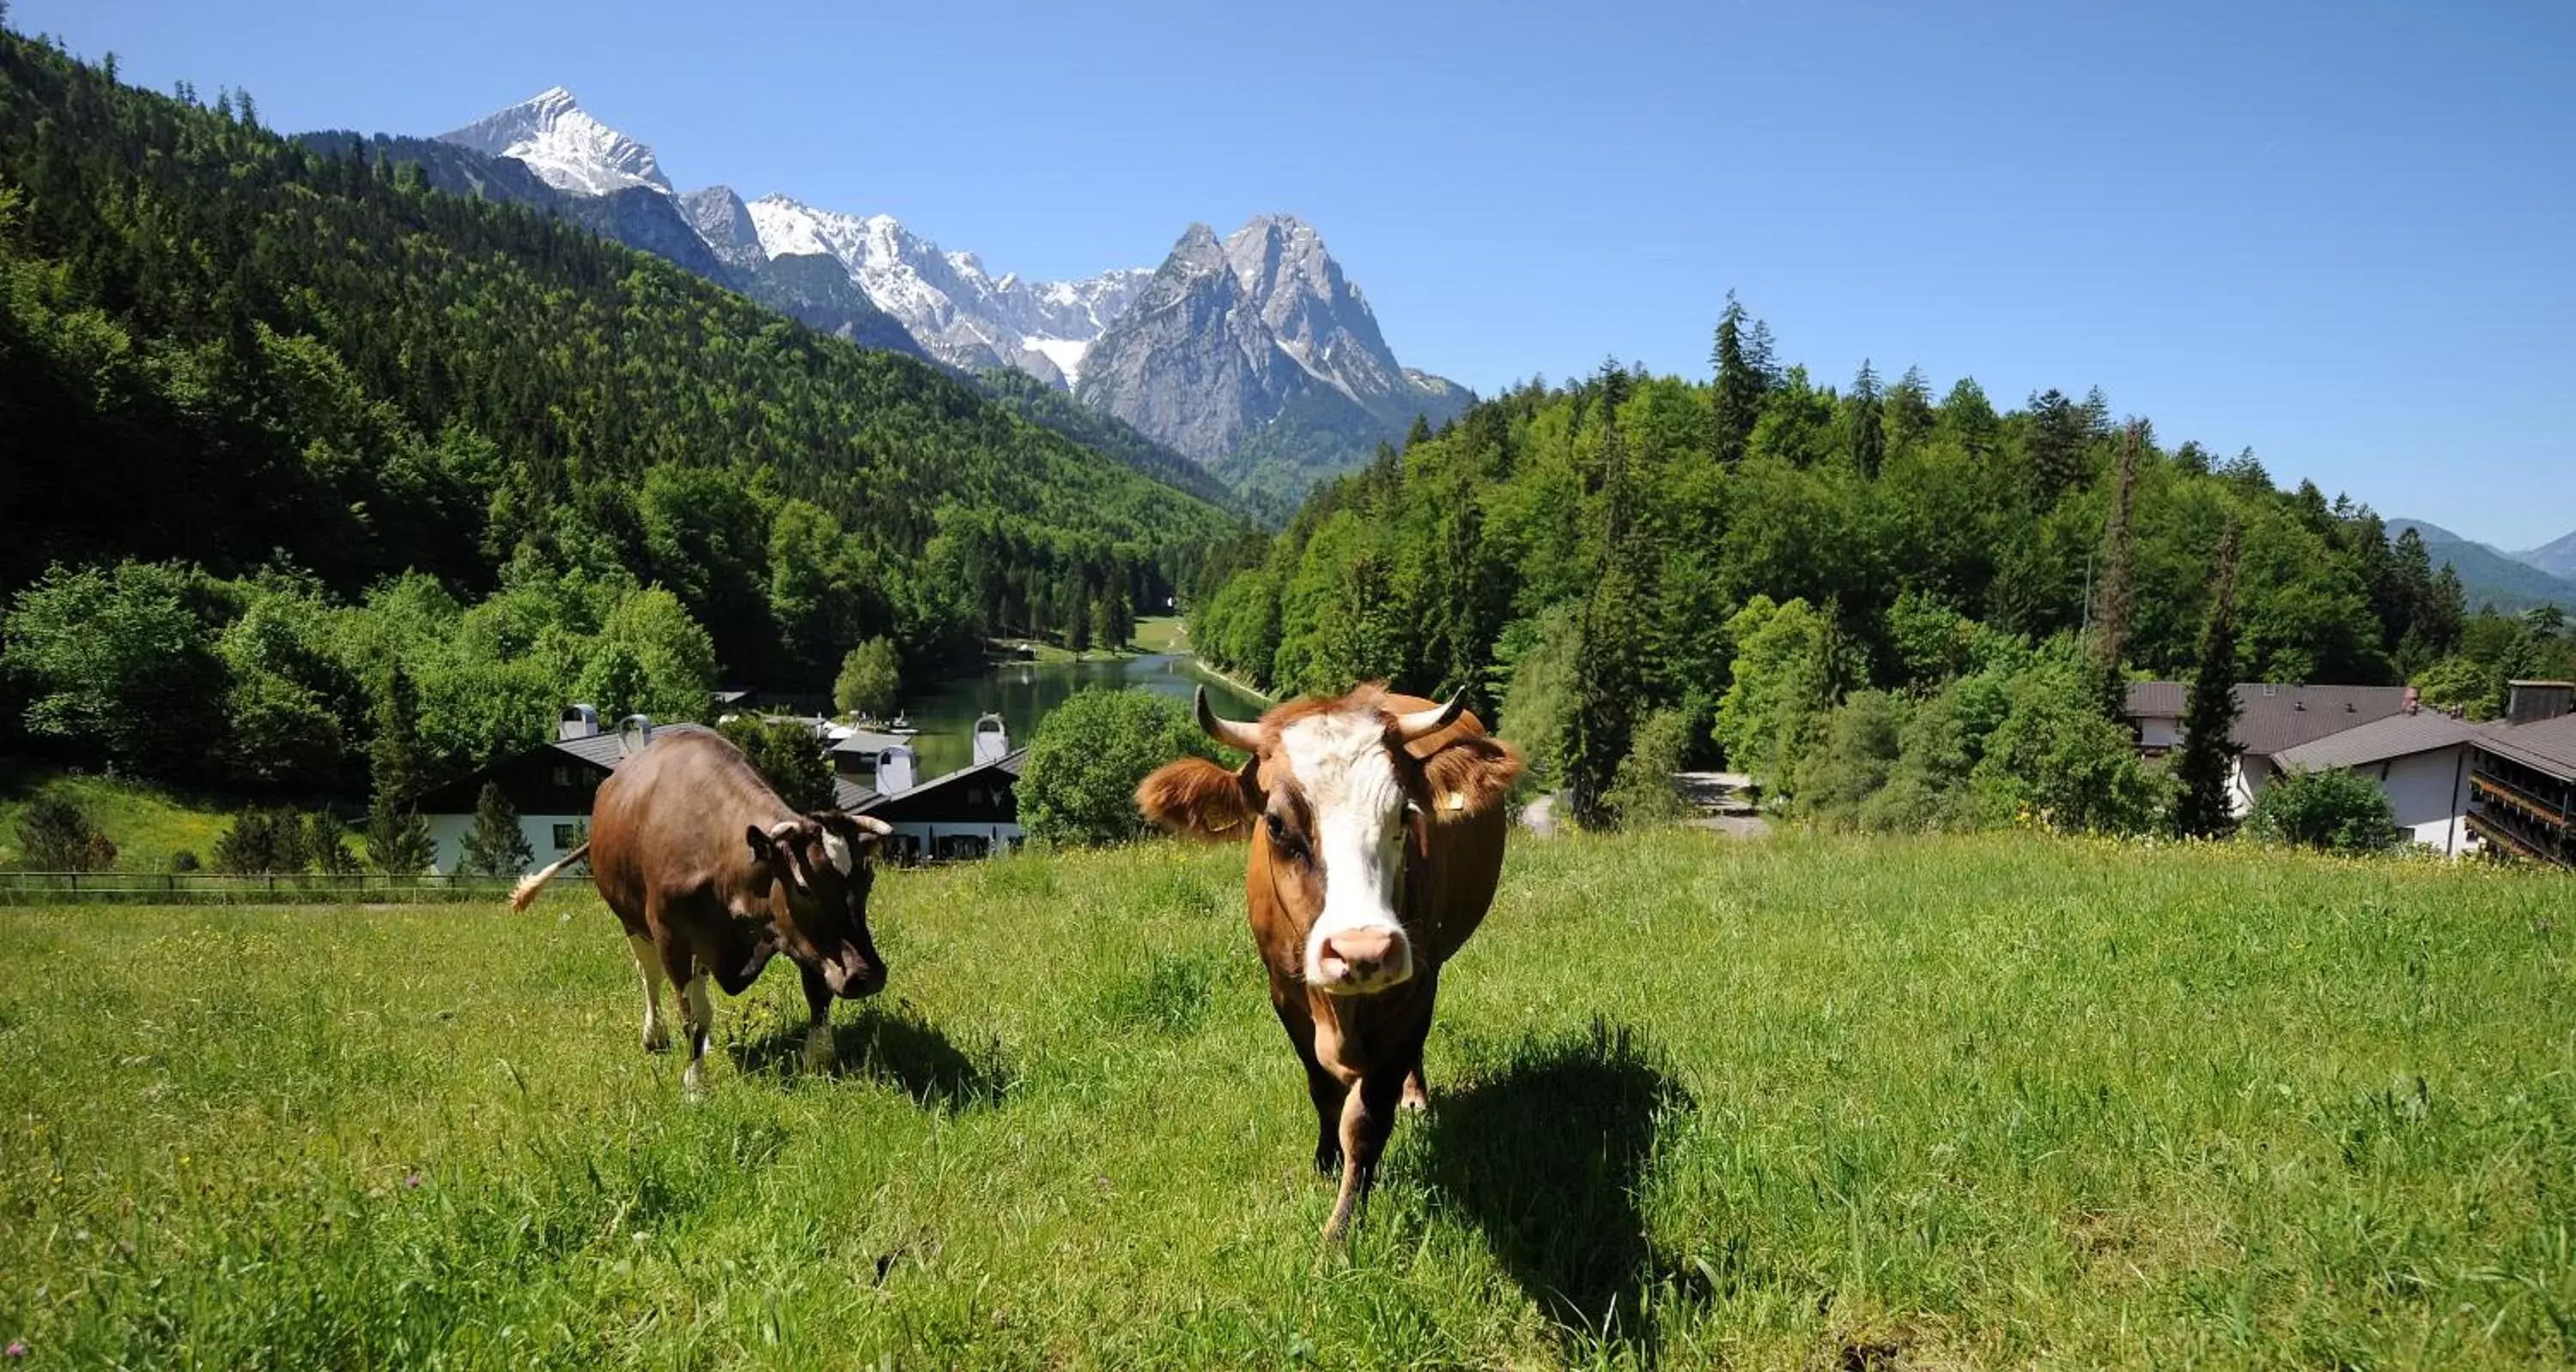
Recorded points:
(1803,1103)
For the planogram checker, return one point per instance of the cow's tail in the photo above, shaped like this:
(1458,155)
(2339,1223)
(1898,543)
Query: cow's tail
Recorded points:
(535,881)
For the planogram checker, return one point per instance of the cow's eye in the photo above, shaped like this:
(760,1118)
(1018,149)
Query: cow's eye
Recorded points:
(1280,837)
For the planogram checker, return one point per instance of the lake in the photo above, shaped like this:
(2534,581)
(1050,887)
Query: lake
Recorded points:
(1023,692)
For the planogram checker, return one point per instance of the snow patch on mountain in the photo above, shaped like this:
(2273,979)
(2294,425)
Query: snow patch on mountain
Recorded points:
(567,148)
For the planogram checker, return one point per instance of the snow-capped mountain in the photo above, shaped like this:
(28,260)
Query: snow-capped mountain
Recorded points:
(1254,353)
(963,314)
(1259,346)
(562,144)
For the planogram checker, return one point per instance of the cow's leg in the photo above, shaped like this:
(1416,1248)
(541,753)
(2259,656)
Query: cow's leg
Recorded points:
(697,1013)
(648,965)
(1368,1116)
(1417,1098)
(819,1053)
(1321,1088)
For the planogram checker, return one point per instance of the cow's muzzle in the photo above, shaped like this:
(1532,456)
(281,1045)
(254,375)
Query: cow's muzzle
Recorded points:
(854,975)
(1361,959)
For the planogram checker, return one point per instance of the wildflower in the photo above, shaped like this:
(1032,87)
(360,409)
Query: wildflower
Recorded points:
(17,1349)
(412,1182)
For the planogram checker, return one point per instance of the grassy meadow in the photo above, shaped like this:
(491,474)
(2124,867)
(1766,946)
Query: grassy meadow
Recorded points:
(1805,1103)
(147,822)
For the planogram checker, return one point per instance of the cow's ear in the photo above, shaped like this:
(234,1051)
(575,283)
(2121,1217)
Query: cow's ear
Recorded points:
(758,838)
(1469,776)
(1198,798)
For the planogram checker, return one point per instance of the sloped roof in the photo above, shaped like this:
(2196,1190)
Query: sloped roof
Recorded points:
(868,741)
(850,795)
(2548,744)
(2399,735)
(1006,765)
(2273,718)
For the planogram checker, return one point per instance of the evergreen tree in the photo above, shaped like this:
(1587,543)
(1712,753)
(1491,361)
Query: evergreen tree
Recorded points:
(2209,714)
(326,844)
(2111,613)
(1910,416)
(1743,365)
(398,839)
(2053,452)
(495,846)
(1609,673)
(1868,440)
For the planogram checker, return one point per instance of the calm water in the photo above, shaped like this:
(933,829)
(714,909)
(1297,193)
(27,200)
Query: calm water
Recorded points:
(1023,692)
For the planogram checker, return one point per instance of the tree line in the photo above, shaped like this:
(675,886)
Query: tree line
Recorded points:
(1891,606)
(286,419)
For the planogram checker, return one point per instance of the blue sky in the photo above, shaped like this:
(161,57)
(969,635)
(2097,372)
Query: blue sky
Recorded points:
(2339,233)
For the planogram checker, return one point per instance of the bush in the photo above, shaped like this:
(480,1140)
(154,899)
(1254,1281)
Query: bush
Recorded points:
(787,756)
(262,841)
(1643,792)
(56,835)
(185,860)
(871,680)
(1862,742)
(326,844)
(1079,784)
(2338,811)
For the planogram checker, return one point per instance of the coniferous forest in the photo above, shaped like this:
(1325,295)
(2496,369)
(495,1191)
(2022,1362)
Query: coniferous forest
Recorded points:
(281,420)
(1898,609)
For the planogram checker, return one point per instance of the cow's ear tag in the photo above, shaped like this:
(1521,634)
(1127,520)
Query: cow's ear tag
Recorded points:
(1457,800)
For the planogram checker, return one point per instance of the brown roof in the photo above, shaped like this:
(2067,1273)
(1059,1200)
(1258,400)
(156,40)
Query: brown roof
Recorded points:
(2273,718)
(2399,735)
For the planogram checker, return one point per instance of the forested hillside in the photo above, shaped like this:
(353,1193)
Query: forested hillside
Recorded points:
(267,370)
(1707,570)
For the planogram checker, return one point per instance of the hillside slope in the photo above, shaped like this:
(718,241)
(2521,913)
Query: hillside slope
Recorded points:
(2488,576)
(254,349)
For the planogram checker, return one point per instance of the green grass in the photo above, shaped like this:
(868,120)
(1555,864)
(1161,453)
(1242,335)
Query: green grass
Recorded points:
(1159,634)
(147,823)
(1805,1103)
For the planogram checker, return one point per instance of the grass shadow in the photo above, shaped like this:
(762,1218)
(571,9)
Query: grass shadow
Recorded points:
(899,1047)
(1547,1153)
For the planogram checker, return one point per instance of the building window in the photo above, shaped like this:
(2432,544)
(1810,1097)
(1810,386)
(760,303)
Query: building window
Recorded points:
(567,837)
(563,777)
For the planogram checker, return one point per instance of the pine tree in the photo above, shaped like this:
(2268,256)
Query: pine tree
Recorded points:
(1910,416)
(398,839)
(1609,670)
(2209,715)
(1742,359)
(1868,438)
(2111,615)
(2054,449)
(495,846)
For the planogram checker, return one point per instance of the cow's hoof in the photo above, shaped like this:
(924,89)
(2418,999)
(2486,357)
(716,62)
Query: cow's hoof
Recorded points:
(657,1040)
(693,1083)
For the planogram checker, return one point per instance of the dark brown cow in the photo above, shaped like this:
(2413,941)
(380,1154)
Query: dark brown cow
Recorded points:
(713,875)
(1378,845)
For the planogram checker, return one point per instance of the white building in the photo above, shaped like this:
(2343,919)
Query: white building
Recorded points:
(2271,719)
(549,786)
(2421,760)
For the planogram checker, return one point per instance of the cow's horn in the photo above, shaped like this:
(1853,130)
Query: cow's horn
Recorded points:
(1241,735)
(872,824)
(1409,727)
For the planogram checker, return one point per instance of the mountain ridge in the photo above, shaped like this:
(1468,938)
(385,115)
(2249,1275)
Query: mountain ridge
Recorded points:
(1314,386)
(2488,575)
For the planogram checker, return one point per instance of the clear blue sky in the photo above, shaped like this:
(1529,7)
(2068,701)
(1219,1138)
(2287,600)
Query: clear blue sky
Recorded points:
(2340,233)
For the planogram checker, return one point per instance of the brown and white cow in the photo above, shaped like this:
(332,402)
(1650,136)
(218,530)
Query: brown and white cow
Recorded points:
(1377,825)
(712,875)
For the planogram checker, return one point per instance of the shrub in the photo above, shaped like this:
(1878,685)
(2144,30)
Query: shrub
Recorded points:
(1643,792)
(871,680)
(56,835)
(787,756)
(262,841)
(1079,785)
(326,844)
(2338,811)
(1861,744)
(185,860)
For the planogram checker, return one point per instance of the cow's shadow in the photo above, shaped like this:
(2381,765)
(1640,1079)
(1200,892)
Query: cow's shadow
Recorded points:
(897,1046)
(1546,1154)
